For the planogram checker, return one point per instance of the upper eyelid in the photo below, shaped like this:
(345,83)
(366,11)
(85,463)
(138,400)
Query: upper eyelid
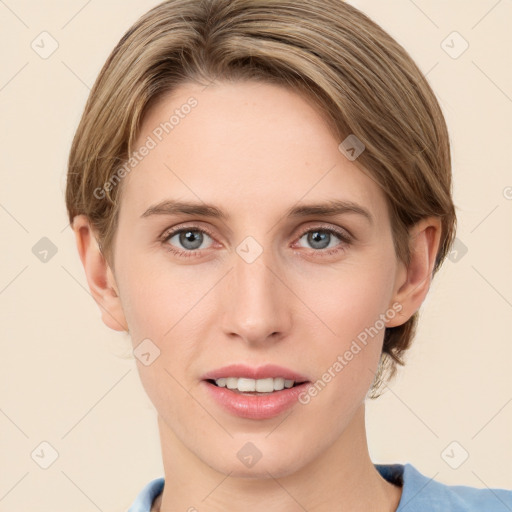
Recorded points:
(344,231)
(175,230)
(345,234)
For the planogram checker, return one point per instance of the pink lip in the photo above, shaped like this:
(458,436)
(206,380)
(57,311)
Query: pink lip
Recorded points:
(255,407)
(262,372)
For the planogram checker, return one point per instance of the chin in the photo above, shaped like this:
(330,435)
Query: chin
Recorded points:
(248,462)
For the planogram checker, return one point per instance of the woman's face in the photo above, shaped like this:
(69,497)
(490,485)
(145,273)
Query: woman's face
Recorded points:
(258,285)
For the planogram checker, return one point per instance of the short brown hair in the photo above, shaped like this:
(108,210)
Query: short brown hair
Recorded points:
(361,79)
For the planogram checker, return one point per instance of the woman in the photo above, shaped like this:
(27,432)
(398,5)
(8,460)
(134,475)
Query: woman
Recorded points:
(261,195)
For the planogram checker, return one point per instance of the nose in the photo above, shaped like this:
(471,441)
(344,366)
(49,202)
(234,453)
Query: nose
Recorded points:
(257,301)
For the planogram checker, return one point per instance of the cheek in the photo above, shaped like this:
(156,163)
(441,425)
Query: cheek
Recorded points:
(352,306)
(346,361)
(351,299)
(153,296)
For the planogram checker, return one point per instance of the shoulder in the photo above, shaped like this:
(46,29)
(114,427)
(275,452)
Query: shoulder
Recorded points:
(147,496)
(421,493)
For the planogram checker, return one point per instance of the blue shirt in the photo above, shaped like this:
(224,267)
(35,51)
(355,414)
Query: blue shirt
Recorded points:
(419,493)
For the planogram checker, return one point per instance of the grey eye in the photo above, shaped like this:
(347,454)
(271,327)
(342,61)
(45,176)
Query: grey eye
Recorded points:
(190,239)
(320,238)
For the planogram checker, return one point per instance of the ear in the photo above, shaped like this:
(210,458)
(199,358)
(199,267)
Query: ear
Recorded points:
(413,281)
(99,275)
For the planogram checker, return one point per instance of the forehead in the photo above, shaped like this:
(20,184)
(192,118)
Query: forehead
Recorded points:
(248,146)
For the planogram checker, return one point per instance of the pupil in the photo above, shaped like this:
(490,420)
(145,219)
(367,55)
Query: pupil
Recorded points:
(189,237)
(320,238)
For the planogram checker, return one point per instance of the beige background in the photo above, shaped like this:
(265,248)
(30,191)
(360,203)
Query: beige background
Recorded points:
(67,380)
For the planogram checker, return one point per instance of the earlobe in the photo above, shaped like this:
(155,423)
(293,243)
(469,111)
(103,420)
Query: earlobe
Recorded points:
(413,281)
(100,277)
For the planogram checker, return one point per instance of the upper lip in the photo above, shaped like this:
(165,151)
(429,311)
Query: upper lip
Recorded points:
(248,372)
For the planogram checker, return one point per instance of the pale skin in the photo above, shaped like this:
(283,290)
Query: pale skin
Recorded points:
(255,150)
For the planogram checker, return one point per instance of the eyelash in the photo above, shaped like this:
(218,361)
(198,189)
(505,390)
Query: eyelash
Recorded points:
(344,237)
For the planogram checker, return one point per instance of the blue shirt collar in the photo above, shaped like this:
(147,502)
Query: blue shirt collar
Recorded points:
(419,493)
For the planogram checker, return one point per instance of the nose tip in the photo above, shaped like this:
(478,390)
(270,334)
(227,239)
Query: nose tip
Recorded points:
(256,302)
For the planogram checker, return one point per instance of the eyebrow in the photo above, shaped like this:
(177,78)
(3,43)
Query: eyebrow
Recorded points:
(327,209)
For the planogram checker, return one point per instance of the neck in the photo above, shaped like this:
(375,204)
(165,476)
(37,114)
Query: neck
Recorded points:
(342,474)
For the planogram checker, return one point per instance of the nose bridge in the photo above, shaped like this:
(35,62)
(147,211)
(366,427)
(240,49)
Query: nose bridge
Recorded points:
(257,304)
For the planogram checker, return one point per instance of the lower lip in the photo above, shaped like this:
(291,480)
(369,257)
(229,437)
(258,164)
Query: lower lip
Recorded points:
(255,407)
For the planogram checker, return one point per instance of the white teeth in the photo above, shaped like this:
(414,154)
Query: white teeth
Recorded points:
(259,385)
(289,383)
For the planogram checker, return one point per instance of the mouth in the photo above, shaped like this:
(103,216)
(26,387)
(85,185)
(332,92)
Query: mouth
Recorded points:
(255,393)
(255,387)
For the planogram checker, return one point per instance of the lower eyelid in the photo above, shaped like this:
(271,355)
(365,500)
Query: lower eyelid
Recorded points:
(343,238)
